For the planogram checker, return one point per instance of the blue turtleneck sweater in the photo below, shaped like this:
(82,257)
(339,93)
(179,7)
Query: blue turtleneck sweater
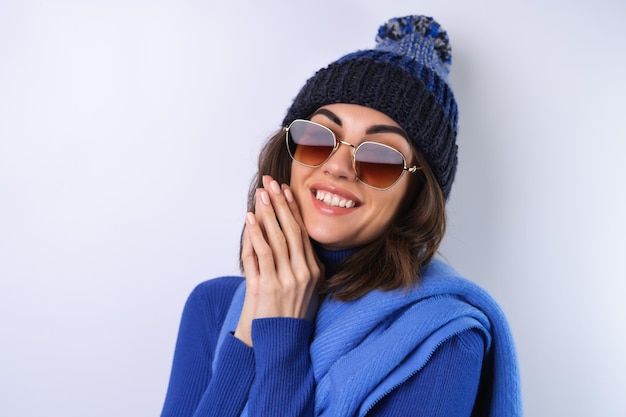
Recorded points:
(275,377)
(332,258)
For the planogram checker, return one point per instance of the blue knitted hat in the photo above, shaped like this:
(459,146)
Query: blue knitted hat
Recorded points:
(405,77)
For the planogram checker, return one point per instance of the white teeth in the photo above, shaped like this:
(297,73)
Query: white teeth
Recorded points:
(333,199)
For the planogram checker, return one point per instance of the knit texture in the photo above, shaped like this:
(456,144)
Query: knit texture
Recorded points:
(363,349)
(405,77)
(332,259)
(446,387)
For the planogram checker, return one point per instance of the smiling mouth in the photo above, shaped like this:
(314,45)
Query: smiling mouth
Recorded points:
(333,200)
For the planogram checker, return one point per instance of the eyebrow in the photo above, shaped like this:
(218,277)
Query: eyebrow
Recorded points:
(371,130)
(388,129)
(332,116)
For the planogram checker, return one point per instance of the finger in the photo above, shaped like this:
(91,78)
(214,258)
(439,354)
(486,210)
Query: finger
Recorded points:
(278,201)
(243,331)
(311,256)
(268,222)
(263,253)
(248,256)
(286,210)
(282,229)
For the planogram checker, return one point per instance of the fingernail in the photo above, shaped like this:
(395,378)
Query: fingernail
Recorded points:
(250,218)
(288,195)
(275,187)
(264,197)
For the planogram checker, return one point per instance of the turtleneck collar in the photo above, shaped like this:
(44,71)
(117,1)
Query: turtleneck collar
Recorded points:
(332,258)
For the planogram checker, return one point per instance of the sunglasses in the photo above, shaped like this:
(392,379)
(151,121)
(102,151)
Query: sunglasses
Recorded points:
(376,165)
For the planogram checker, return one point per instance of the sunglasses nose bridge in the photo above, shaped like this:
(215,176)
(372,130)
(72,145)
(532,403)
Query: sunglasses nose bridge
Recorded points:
(343,142)
(353,149)
(336,162)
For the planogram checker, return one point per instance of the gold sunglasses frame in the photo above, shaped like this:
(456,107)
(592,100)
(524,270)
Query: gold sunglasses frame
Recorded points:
(337,142)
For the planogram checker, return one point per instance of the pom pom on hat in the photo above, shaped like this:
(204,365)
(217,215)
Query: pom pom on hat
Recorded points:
(403,76)
(413,29)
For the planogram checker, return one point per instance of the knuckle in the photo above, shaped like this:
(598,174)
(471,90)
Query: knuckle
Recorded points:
(247,252)
(293,228)
(303,274)
(289,286)
(316,271)
(264,251)
(277,238)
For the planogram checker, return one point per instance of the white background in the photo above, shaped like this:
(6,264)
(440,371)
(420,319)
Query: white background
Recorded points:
(128,135)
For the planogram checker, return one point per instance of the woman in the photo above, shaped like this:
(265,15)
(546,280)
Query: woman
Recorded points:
(344,311)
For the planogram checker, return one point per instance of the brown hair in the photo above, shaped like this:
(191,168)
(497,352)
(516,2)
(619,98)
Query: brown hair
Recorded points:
(390,262)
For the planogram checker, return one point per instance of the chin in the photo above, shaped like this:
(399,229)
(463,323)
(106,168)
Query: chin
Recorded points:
(327,239)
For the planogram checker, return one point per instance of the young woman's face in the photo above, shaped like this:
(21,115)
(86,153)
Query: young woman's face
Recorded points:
(365,212)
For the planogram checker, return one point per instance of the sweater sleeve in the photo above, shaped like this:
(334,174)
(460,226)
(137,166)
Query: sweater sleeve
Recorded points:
(195,388)
(276,378)
(284,382)
(446,386)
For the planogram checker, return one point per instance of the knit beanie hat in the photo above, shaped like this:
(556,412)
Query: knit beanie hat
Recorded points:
(405,77)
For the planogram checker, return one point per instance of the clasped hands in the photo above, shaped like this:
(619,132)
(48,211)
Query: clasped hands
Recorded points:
(280,265)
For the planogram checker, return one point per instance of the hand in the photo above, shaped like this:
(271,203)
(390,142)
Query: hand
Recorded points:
(281,268)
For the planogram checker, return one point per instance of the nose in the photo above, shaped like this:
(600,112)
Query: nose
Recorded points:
(340,164)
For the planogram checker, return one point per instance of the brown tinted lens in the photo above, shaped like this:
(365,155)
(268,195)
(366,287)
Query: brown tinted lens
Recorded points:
(378,165)
(312,155)
(310,143)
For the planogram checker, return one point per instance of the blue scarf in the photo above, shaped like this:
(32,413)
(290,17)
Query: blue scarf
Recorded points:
(401,330)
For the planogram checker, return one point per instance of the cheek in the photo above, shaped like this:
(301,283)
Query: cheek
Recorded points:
(296,174)
(296,182)
(401,199)
(293,177)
